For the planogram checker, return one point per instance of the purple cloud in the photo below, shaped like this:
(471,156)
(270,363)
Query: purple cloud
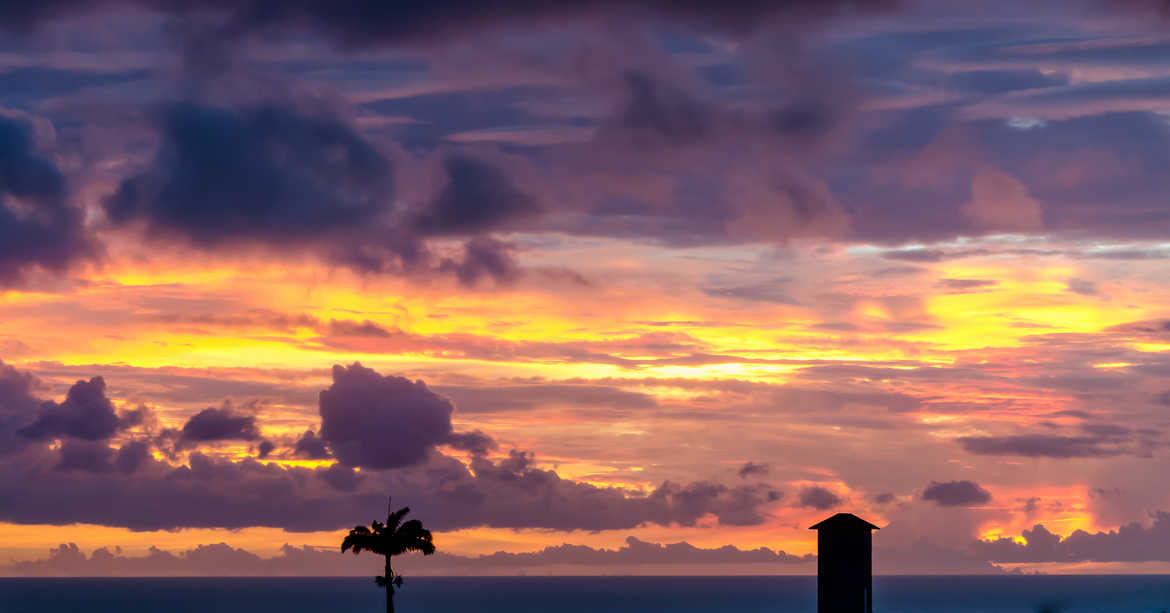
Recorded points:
(956,494)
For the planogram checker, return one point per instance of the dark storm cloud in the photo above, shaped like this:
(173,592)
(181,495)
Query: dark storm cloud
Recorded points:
(92,456)
(265,449)
(376,421)
(956,494)
(268,175)
(86,413)
(819,498)
(370,21)
(131,455)
(1130,543)
(483,258)
(477,198)
(43,231)
(365,22)
(222,424)
(99,457)
(341,478)
(290,181)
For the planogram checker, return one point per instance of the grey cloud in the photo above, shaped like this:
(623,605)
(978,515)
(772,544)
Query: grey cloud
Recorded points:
(311,446)
(131,455)
(819,498)
(18,405)
(751,468)
(1096,441)
(343,478)
(967,284)
(475,442)
(775,292)
(491,399)
(956,494)
(1083,287)
(222,424)
(92,456)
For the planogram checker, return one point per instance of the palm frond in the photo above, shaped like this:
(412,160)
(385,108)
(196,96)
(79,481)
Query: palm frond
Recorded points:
(359,539)
(395,518)
(411,536)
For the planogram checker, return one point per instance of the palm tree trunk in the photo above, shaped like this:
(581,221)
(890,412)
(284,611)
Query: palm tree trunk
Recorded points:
(389,587)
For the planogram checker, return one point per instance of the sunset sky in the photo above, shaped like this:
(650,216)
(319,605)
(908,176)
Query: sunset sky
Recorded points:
(616,275)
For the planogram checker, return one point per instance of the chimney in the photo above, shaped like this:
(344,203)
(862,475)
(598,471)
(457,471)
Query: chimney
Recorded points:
(844,564)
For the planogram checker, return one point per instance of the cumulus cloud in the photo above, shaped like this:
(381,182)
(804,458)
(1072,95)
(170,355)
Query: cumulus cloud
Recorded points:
(956,494)
(86,413)
(1130,543)
(375,421)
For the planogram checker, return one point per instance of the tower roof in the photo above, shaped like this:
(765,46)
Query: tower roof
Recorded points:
(844,521)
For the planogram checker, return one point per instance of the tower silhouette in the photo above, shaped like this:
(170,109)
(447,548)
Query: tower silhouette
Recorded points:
(844,564)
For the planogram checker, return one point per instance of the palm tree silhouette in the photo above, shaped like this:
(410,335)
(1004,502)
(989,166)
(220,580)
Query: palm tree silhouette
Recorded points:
(393,538)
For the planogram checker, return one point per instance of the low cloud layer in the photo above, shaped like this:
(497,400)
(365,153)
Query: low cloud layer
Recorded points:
(389,426)
(218,559)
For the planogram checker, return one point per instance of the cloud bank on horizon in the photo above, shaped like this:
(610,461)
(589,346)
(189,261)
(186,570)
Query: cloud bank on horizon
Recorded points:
(585,271)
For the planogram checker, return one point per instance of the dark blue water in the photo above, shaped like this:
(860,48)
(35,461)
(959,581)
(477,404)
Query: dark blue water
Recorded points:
(1032,594)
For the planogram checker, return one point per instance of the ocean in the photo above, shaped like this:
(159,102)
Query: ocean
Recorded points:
(964,594)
